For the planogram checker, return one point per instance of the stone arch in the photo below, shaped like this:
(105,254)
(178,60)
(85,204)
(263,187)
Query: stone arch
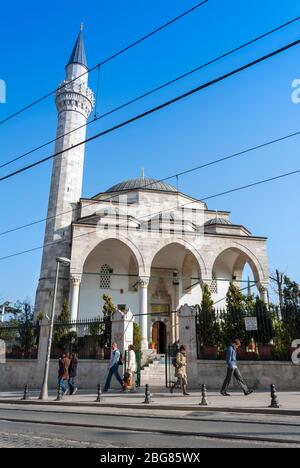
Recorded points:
(188,246)
(81,253)
(245,255)
(228,265)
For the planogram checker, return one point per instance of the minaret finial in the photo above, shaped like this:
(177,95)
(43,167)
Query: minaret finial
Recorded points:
(81,26)
(143,173)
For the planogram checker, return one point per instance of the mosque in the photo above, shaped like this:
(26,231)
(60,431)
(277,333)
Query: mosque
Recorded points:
(142,242)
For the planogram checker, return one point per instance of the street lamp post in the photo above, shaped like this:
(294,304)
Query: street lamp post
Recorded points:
(44,390)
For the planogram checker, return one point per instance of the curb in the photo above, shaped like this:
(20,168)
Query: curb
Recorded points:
(151,406)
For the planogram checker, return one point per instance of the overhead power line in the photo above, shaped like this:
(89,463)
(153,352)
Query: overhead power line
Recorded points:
(148,93)
(243,187)
(108,59)
(187,171)
(156,108)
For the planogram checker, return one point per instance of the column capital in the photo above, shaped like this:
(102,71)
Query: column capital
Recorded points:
(144,281)
(262,286)
(75,279)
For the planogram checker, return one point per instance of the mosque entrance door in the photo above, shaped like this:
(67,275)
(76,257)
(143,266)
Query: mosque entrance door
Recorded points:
(159,336)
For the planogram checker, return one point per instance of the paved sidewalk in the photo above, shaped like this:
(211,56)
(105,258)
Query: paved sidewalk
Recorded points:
(161,399)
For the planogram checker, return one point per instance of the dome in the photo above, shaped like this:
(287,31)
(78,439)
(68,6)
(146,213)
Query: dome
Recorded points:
(142,183)
(217,220)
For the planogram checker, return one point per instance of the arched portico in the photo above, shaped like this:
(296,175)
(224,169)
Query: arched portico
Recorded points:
(228,266)
(175,279)
(111,267)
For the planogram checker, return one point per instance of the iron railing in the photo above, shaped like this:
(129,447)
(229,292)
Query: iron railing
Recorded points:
(91,338)
(271,340)
(21,339)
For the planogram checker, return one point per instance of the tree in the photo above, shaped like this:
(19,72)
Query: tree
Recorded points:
(265,332)
(233,325)
(108,309)
(27,331)
(64,337)
(278,279)
(291,309)
(137,337)
(208,326)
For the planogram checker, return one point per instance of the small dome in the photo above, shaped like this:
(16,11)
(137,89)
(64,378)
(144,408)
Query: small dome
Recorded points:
(140,183)
(217,220)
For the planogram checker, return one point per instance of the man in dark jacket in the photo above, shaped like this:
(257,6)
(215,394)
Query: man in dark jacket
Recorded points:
(63,371)
(73,374)
(232,370)
(113,367)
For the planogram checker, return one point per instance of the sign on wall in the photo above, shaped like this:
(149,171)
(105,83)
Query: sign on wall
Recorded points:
(251,323)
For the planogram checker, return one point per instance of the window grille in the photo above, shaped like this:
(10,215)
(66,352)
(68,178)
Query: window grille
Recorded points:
(213,285)
(105,276)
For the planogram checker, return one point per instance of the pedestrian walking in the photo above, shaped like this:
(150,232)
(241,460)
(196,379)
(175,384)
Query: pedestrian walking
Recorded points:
(73,374)
(180,371)
(113,367)
(63,371)
(131,367)
(232,370)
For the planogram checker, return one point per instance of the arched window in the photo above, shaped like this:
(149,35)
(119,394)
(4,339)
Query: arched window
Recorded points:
(105,276)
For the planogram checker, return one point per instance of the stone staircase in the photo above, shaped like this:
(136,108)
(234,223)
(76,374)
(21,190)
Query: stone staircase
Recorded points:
(154,373)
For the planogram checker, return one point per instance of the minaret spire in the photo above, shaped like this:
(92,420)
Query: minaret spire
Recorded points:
(78,53)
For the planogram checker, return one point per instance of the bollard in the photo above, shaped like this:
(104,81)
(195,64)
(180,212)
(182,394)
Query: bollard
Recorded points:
(274,398)
(59,393)
(25,395)
(99,393)
(147,395)
(204,396)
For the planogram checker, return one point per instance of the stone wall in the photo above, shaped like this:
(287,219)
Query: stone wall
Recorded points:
(14,374)
(258,375)
(286,376)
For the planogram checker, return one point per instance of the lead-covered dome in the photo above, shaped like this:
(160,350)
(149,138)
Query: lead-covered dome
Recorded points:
(142,183)
(217,220)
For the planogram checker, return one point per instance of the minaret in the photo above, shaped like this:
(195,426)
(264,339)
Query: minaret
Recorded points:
(74,103)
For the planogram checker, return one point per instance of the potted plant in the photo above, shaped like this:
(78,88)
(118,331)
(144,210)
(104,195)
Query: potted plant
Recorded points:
(152,344)
(242,352)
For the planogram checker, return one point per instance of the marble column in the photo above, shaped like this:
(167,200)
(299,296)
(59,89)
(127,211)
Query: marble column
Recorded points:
(263,291)
(143,287)
(75,281)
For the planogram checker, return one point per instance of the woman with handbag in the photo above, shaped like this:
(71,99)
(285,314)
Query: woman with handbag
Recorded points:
(180,371)
(131,368)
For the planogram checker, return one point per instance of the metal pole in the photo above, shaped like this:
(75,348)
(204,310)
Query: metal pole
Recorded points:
(44,390)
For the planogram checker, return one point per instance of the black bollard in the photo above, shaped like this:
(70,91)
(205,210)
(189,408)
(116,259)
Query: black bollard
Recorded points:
(59,393)
(204,396)
(147,395)
(99,393)
(25,395)
(274,398)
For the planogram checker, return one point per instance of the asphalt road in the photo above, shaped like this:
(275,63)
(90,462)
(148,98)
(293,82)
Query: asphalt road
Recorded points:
(49,428)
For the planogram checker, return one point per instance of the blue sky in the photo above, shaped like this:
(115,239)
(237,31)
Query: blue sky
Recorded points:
(252,107)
